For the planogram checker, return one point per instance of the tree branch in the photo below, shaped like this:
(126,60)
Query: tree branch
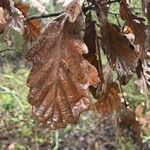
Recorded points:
(84,9)
(44,16)
(1,51)
(57,13)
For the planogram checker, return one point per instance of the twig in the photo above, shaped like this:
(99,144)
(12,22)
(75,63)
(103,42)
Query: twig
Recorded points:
(6,50)
(109,2)
(57,13)
(44,16)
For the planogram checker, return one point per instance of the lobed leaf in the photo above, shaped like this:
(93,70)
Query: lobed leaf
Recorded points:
(60,77)
(110,100)
(119,51)
(137,26)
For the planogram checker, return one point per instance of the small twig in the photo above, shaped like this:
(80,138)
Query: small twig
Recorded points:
(44,16)
(57,13)
(6,50)
(109,2)
(116,16)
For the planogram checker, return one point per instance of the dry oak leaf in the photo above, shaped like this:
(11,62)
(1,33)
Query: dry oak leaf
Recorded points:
(32,30)
(4,14)
(143,74)
(2,20)
(32,27)
(110,101)
(60,76)
(91,40)
(119,51)
(73,8)
(140,115)
(136,24)
(5,4)
(23,8)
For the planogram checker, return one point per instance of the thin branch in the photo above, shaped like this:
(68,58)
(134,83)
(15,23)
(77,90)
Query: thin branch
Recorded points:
(1,51)
(57,13)
(44,16)
(109,2)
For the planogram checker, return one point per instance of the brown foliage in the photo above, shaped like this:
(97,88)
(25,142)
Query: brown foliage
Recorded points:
(136,25)
(23,8)
(60,77)
(119,51)
(4,14)
(110,100)
(5,4)
(33,27)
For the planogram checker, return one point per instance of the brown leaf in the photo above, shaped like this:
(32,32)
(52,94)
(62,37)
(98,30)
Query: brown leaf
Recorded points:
(110,100)
(33,27)
(73,9)
(90,40)
(23,8)
(136,25)
(119,50)
(139,114)
(5,10)
(2,20)
(5,4)
(60,76)
(32,30)
(143,74)
(128,121)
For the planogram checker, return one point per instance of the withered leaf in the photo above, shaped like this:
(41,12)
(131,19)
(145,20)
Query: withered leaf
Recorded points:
(73,8)
(139,112)
(110,100)
(146,7)
(4,14)
(32,30)
(2,20)
(91,40)
(119,51)
(5,4)
(136,24)
(32,27)
(23,8)
(60,76)
(143,74)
